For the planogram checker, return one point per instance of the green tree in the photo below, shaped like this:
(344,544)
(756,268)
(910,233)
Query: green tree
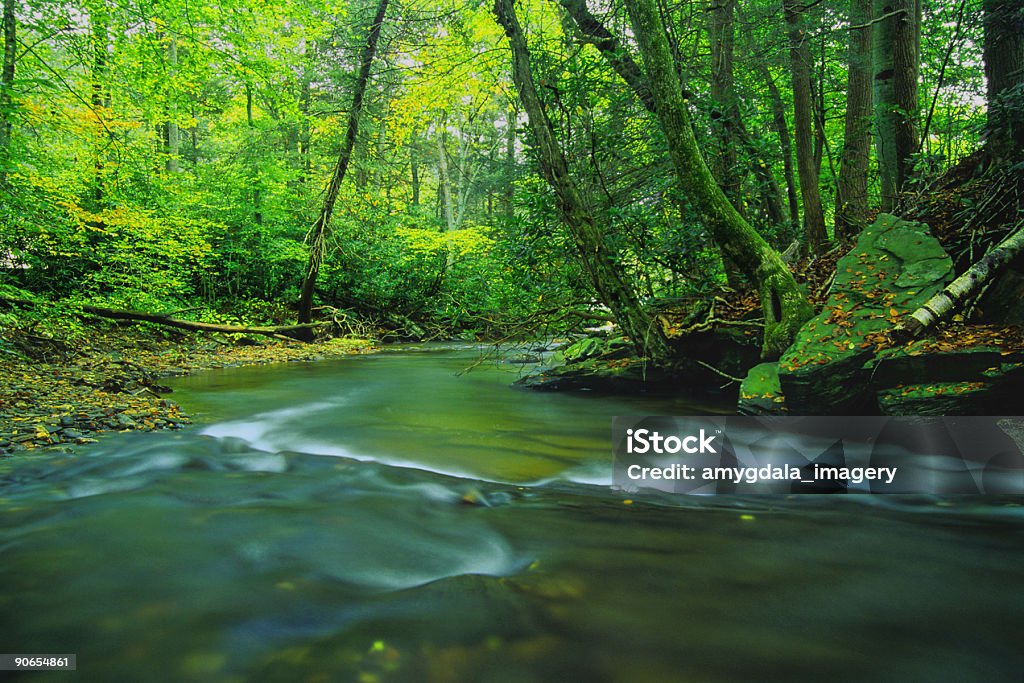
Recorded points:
(591,244)
(785,307)
(318,233)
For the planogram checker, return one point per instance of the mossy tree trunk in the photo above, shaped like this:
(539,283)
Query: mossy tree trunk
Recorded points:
(597,258)
(785,307)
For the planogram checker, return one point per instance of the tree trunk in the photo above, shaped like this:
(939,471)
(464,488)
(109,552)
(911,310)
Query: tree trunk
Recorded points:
(732,132)
(605,274)
(895,90)
(444,181)
(465,173)
(444,189)
(724,158)
(785,142)
(785,308)
(1004,70)
(852,188)
(298,332)
(724,117)
(6,87)
(623,64)
(98,19)
(800,60)
(511,114)
(609,46)
(173,135)
(318,233)
(414,169)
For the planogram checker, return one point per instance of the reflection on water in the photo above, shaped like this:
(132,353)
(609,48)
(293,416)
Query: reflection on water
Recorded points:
(417,408)
(236,555)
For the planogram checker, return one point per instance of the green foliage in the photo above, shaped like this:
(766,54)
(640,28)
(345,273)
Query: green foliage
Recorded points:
(185,167)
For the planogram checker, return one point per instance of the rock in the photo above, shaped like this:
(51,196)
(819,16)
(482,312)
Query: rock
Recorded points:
(523,359)
(938,399)
(1003,302)
(628,375)
(992,391)
(124,421)
(921,360)
(597,347)
(760,393)
(893,269)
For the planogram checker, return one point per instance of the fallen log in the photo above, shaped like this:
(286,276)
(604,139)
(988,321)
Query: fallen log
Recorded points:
(303,332)
(946,302)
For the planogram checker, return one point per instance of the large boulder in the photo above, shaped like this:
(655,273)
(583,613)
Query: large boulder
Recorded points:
(597,364)
(617,375)
(611,365)
(895,267)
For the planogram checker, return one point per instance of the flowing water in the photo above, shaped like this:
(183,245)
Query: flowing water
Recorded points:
(383,518)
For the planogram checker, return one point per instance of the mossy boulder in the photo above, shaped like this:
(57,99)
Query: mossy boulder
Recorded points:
(956,384)
(597,347)
(935,399)
(895,267)
(615,375)
(760,393)
(929,362)
(611,365)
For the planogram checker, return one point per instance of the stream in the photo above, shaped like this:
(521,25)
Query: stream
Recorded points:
(391,518)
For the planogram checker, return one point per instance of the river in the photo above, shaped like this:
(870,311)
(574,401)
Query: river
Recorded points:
(391,518)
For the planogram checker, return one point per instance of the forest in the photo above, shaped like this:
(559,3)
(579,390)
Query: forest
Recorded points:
(461,170)
(774,245)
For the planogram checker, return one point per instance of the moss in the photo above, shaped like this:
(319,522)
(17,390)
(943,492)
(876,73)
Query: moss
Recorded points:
(830,363)
(760,392)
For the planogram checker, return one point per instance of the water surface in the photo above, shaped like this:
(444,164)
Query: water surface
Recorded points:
(382,519)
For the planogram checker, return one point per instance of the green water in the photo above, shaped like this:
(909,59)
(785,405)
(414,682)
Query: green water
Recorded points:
(313,527)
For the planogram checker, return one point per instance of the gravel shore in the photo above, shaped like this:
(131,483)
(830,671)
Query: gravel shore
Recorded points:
(66,396)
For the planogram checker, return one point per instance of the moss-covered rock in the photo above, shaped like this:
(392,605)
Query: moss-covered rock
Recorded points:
(921,361)
(760,393)
(597,347)
(617,375)
(994,390)
(939,398)
(895,267)
(610,364)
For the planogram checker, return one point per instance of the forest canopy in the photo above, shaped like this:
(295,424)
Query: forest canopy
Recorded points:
(488,165)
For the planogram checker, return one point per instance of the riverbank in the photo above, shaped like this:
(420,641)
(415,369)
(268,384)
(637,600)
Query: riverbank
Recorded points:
(111,382)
